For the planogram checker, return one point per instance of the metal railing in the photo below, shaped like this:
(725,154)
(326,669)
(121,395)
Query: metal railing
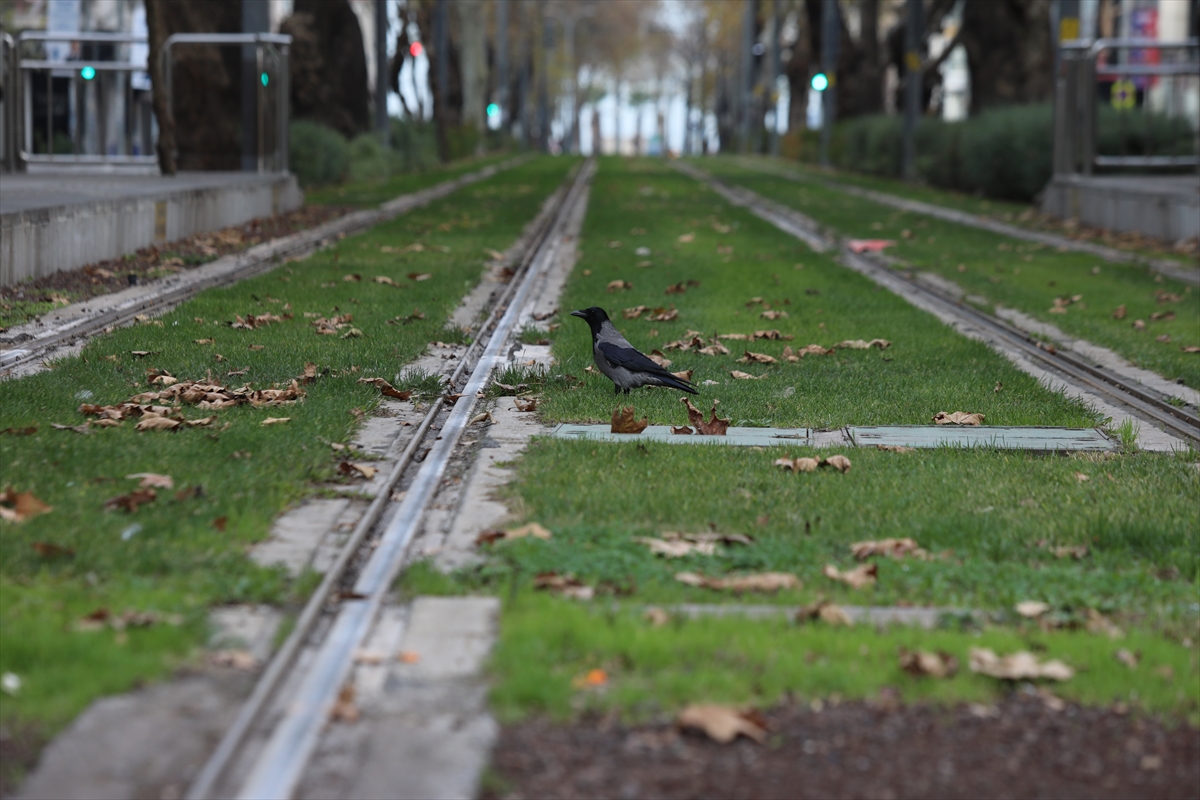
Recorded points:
(1075,110)
(18,141)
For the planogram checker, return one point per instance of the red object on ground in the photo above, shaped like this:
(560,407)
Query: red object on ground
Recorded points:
(868,245)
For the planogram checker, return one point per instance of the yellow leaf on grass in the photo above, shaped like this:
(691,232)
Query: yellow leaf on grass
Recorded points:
(275,420)
(151,480)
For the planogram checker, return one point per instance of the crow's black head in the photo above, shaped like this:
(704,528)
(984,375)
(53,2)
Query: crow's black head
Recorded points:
(593,316)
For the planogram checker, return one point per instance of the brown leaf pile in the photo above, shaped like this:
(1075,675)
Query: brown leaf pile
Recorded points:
(756,582)
(1019,666)
(934,665)
(857,578)
(204,395)
(19,506)
(715,426)
(329,326)
(723,724)
(957,418)
(623,421)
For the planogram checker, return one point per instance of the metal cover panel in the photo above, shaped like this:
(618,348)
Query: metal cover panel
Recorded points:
(1004,438)
(744,437)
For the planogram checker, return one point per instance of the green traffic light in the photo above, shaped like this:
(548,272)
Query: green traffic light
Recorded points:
(265,79)
(493,109)
(820,82)
(87,73)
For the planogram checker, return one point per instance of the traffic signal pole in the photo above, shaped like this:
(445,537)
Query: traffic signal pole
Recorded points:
(830,42)
(912,85)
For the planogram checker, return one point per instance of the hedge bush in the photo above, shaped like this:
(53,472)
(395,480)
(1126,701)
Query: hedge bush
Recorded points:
(1003,153)
(317,155)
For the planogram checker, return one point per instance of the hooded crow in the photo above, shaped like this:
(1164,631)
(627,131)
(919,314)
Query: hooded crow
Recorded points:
(620,361)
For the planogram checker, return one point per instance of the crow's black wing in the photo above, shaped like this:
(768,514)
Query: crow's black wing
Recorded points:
(631,359)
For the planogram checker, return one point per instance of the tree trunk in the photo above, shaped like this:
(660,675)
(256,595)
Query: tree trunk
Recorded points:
(328,66)
(1009,51)
(473,66)
(798,70)
(860,72)
(162,106)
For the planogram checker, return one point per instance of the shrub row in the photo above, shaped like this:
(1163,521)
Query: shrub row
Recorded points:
(1003,153)
(320,156)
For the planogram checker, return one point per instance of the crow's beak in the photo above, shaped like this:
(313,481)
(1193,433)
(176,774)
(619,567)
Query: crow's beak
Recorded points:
(579,314)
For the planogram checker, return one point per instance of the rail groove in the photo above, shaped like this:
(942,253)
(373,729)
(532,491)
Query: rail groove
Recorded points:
(1144,402)
(354,588)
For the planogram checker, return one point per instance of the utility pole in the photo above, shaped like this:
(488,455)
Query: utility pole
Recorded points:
(381,69)
(441,43)
(912,85)
(773,76)
(255,19)
(543,87)
(502,61)
(748,21)
(831,32)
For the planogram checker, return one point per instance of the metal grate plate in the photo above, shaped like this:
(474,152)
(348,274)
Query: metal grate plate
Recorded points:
(744,437)
(1003,438)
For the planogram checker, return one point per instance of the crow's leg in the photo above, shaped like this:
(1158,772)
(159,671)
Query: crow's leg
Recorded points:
(616,389)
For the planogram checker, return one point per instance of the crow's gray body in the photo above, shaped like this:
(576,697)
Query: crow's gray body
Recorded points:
(620,361)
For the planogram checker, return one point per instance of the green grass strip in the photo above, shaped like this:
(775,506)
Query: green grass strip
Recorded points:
(185,555)
(371,193)
(548,646)
(1015,274)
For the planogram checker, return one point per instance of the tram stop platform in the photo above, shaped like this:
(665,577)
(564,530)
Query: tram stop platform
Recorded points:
(1163,207)
(60,220)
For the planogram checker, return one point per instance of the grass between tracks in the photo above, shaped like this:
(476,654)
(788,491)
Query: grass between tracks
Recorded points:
(183,554)
(369,194)
(999,513)
(1015,274)
(1016,214)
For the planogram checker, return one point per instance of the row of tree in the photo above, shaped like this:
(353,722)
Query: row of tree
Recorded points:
(544,60)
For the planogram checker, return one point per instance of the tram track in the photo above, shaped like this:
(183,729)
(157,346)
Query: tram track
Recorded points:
(1143,402)
(317,656)
(22,350)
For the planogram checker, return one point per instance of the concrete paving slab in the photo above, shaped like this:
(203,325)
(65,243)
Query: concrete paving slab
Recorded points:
(451,635)
(245,627)
(859,615)
(148,743)
(296,535)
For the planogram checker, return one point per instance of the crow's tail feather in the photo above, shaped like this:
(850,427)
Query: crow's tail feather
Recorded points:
(678,383)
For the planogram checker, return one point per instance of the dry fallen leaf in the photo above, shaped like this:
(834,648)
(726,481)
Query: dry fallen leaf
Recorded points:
(957,418)
(745,376)
(351,468)
(157,424)
(934,665)
(23,506)
(1019,666)
(386,388)
(150,480)
(408,657)
(591,679)
(838,462)
(624,422)
(773,315)
(242,660)
(1082,477)
(798,464)
(686,238)
(345,709)
(825,611)
(1032,609)
(684,374)
(419,276)
(715,426)
(51,550)
(526,405)
(663,314)
(677,548)
(618,286)
(723,724)
(894,548)
(635,312)
(1127,658)
(658,358)
(681,430)
(868,245)
(757,358)
(532,529)
(276,420)
(894,448)
(564,585)
(717,349)
(130,502)
(755,582)
(656,616)
(857,578)
(859,344)
(1119,313)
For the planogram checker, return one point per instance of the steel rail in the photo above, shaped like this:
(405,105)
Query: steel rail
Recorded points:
(292,741)
(1147,403)
(1170,269)
(284,660)
(251,264)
